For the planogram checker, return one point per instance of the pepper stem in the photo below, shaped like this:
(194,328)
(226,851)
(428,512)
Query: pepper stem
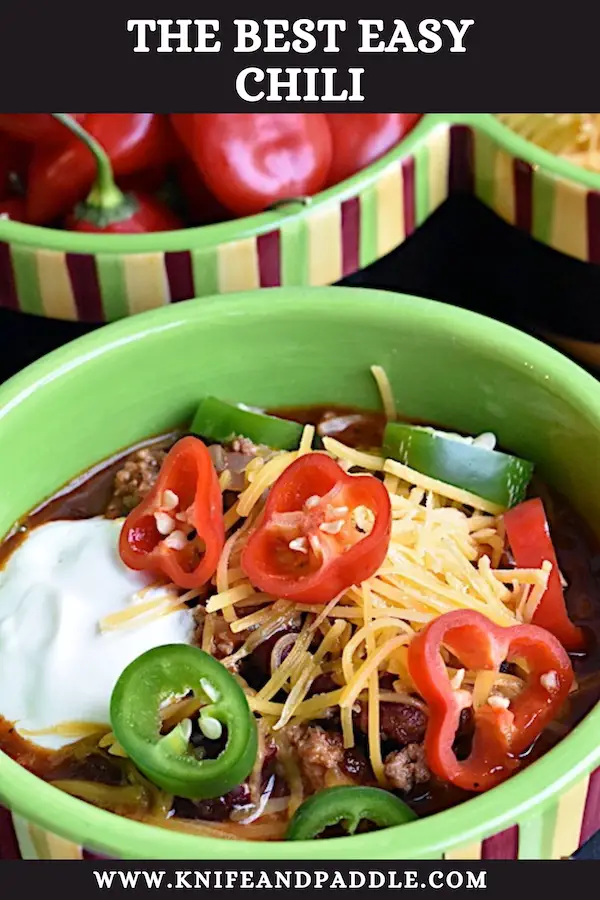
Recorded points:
(104,194)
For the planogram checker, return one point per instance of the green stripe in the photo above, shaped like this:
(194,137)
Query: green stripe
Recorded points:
(26,279)
(421,184)
(205,272)
(543,199)
(113,288)
(367,250)
(294,252)
(536,834)
(485,159)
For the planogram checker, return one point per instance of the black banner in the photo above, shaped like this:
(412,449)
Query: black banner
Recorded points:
(438,57)
(494,880)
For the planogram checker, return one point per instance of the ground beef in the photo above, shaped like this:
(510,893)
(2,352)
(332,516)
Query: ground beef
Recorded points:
(244,445)
(400,723)
(407,767)
(134,480)
(323,760)
(225,642)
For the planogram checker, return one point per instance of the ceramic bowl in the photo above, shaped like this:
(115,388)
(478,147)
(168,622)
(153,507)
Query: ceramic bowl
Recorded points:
(100,278)
(144,375)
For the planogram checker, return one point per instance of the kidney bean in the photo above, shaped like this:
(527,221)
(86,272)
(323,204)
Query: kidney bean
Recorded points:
(400,723)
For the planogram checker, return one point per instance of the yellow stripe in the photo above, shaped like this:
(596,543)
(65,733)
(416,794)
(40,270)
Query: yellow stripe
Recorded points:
(325,246)
(438,147)
(469,851)
(569,225)
(145,281)
(504,187)
(569,818)
(237,265)
(390,210)
(55,285)
(51,846)
(26,846)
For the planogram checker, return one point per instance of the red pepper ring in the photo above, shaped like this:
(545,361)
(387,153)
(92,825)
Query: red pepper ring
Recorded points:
(528,534)
(308,545)
(500,734)
(178,528)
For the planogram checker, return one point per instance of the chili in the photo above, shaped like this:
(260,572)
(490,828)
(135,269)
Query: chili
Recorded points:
(359,139)
(13,208)
(107,209)
(251,161)
(61,176)
(36,128)
(322,531)
(178,528)
(350,806)
(503,730)
(529,539)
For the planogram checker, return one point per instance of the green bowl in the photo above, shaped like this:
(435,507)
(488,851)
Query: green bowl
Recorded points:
(101,278)
(145,375)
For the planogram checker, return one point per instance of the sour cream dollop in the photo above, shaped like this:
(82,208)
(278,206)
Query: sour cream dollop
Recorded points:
(56,665)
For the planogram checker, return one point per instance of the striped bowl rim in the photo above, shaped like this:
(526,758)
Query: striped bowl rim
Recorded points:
(209,235)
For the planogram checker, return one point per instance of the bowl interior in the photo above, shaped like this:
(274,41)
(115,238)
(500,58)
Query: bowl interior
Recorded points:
(144,375)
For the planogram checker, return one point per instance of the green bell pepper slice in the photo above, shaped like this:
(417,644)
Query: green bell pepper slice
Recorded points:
(169,761)
(495,476)
(349,805)
(218,421)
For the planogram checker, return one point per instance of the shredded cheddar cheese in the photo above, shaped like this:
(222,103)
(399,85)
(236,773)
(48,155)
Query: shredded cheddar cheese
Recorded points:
(572,136)
(142,613)
(446,552)
(67,730)
(385,390)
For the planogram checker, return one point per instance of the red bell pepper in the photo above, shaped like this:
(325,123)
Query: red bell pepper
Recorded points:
(251,161)
(36,128)
(13,162)
(148,181)
(501,734)
(107,209)
(59,177)
(529,539)
(361,138)
(13,208)
(118,213)
(178,529)
(307,546)
(202,207)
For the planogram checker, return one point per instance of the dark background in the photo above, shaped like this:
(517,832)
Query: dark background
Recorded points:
(462,255)
(520,56)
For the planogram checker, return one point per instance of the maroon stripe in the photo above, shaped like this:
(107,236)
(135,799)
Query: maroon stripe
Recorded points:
(87,854)
(502,846)
(593,226)
(8,290)
(523,175)
(9,848)
(350,235)
(461,173)
(591,815)
(269,258)
(408,191)
(86,287)
(178,266)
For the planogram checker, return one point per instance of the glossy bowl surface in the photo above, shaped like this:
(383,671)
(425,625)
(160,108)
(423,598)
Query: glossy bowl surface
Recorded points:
(144,375)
